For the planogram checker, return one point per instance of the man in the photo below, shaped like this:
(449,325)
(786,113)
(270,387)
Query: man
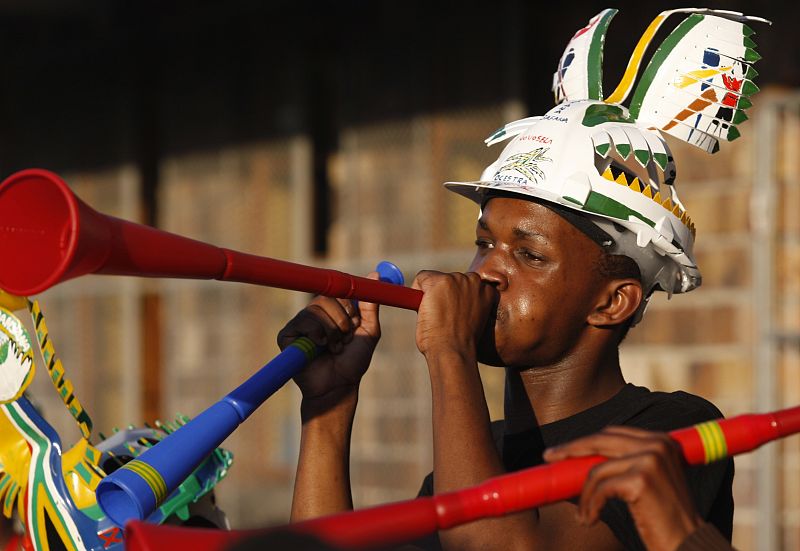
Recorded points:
(580,223)
(550,294)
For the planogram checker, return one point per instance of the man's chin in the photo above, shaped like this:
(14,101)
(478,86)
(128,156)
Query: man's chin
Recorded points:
(487,351)
(493,361)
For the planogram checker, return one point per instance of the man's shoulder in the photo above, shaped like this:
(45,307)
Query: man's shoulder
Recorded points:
(658,410)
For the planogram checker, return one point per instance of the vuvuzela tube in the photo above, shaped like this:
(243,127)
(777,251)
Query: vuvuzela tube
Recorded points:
(53,236)
(405,521)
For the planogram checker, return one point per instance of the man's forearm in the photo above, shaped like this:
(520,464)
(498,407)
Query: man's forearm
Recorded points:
(464,451)
(322,485)
(465,454)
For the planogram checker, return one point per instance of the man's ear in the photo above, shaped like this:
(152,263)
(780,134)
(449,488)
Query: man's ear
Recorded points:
(618,301)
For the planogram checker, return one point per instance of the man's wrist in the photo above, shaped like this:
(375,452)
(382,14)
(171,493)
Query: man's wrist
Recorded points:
(446,355)
(705,537)
(455,371)
(335,406)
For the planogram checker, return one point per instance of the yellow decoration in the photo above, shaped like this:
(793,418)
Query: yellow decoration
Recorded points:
(648,192)
(15,460)
(56,371)
(12,302)
(621,179)
(657,197)
(635,185)
(608,174)
(626,83)
(46,507)
(78,463)
(700,74)
(667,204)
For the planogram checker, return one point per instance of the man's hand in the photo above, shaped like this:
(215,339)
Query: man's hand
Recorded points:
(330,393)
(451,319)
(646,470)
(454,311)
(348,332)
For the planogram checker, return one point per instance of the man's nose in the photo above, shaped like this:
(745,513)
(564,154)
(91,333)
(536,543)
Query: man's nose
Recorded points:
(491,268)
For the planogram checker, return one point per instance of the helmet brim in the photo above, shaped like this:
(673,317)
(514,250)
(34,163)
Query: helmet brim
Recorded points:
(477,190)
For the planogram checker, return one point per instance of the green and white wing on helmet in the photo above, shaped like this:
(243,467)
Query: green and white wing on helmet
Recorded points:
(698,83)
(580,69)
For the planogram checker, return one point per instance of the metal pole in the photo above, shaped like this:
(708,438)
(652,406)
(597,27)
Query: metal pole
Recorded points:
(765,371)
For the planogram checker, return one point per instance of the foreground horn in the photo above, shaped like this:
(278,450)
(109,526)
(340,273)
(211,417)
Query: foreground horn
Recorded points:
(387,526)
(48,235)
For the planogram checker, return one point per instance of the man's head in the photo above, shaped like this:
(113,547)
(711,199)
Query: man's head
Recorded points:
(593,163)
(579,224)
(555,284)
(610,167)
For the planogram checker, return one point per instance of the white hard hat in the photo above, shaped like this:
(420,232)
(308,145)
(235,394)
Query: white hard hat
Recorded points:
(609,162)
(616,172)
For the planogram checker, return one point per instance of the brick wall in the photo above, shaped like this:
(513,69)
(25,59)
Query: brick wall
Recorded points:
(707,342)
(387,203)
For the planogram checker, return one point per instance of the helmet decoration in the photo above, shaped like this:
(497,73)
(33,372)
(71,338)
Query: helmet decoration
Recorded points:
(609,161)
(16,357)
(52,493)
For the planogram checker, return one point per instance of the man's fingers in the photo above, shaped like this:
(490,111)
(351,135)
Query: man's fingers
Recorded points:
(620,479)
(596,476)
(423,279)
(458,281)
(597,444)
(367,314)
(613,442)
(304,324)
(633,431)
(316,323)
(335,311)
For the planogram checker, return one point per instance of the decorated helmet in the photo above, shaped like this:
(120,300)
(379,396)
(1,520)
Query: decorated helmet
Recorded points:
(610,162)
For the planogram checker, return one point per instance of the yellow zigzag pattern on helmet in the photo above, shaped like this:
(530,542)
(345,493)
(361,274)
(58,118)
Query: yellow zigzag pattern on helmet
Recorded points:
(635,185)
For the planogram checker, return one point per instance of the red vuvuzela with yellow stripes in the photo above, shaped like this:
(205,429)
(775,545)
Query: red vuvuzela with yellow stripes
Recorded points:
(405,521)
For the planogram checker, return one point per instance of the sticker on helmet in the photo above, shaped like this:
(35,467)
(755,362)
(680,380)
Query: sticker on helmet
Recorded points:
(526,164)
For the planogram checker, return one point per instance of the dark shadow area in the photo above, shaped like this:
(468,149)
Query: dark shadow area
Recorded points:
(88,84)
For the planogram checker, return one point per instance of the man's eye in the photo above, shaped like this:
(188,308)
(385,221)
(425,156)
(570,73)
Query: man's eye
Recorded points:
(529,255)
(483,244)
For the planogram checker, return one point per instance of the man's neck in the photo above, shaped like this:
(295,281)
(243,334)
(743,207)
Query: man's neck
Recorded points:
(541,395)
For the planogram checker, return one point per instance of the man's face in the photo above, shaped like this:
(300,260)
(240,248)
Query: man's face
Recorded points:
(544,270)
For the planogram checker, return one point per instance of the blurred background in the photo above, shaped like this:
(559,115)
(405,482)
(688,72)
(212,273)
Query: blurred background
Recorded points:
(320,132)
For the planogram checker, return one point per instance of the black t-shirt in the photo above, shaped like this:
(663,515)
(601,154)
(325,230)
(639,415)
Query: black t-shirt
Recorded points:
(711,486)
